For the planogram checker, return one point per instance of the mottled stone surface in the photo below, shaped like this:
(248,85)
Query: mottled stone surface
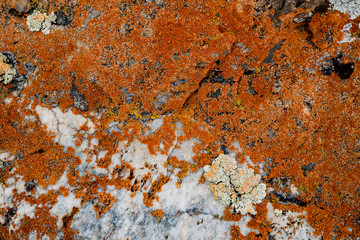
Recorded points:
(113,112)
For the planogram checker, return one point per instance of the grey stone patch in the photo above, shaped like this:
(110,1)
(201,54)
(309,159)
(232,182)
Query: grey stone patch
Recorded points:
(269,57)
(243,47)
(214,55)
(214,94)
(113,127)
(308,101)
(79,99)
(189,213)
(30,185)
(289,225)
(303,17)
(307,168)
(283,7)
(279,188)
(126,28)
(63,19)
(148,15)
(6,158)
(128,95)
(179,81)
(23,6)
(252,91)
(272,132)
(161,100)
(225,149)
(93,13)
(7,72)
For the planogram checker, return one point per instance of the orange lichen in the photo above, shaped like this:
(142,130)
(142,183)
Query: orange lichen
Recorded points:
(105,202)
(235,233)
(181,164)
(158,213)
(230,215)
(312,118)
(150,196)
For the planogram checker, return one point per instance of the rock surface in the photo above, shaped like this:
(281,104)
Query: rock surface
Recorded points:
(117,107)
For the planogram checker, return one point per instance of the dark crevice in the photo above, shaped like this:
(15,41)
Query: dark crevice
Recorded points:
(289,199)
(269,57)
(9,215)
(213,76)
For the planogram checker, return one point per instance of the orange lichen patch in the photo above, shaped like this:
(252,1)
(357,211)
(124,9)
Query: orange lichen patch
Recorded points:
(235,233)
(165,136)
(322,25)
(259,221)
(105,202)
(46,224)
(158,213)
(182,164)
(68,231)
(230,215)
(155,187)
(202,179)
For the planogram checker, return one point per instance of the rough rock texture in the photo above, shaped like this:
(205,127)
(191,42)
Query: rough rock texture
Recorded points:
(111,117)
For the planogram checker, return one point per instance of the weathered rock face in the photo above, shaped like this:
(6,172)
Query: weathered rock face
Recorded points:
(113,111)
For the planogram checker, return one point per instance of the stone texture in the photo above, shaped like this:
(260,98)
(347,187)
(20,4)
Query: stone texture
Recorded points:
(113,115)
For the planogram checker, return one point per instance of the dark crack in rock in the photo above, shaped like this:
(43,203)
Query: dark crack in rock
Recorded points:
(269,57)
(343,70)
(30,185)
(63,19)
(283,7)
(214,94)
(79,99)
(307,168)
(9,215)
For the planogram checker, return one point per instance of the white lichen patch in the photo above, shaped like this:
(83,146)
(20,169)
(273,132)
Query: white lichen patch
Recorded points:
(234,185)
(7,73)
(40,22)
(351,7)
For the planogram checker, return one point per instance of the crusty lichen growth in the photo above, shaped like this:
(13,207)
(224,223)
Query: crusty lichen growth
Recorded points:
(234,185)
(7,73)
(40,21)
